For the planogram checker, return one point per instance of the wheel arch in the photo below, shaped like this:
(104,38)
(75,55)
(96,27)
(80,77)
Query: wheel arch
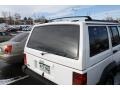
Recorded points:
(112,67)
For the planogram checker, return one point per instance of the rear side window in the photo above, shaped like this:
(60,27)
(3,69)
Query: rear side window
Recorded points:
(115,38)
(98,38)
(0,33)
(3,34)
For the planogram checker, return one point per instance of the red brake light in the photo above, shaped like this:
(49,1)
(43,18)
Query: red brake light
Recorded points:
(79,79)
(25,59)
(8,49)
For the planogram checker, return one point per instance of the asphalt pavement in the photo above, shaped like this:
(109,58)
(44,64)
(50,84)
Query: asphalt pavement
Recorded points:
(13,75)
(9,71)
(27,81)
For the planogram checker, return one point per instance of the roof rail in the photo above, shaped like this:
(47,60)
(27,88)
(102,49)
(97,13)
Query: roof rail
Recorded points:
(74,18)
(77,18)
(114,21)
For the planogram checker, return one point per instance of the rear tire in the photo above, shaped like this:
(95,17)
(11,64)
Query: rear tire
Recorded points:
(110,79)
(113,79)
(117,79)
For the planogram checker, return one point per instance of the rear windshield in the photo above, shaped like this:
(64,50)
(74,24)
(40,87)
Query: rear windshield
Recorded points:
(61,40)
(20,37)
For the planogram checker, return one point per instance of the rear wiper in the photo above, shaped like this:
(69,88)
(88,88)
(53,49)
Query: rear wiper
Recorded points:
(41,48)
(59,53)
(43,53)
(62,54)
(54,52)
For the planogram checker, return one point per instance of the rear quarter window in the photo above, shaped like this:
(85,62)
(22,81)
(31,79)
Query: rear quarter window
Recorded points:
(98,38)
(115,37)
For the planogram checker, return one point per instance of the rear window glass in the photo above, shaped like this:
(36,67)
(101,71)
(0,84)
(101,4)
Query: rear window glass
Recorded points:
(61,40)
(20,37)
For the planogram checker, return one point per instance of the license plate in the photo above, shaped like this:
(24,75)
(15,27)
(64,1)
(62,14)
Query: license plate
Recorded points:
(44,67)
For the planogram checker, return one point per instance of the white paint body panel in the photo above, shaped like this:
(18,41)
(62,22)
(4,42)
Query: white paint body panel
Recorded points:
(62,68)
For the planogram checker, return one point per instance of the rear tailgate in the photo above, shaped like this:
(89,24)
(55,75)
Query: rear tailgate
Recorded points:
(54,69)
(63,56)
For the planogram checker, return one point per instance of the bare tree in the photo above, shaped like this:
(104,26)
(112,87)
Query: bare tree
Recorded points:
(17,16)
(109,18)
(4,14)
(25,19)
(10,18)
(29,18)
(118,19)
(41,19)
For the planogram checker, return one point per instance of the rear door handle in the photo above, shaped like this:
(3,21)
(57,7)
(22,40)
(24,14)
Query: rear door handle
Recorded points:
(115,51)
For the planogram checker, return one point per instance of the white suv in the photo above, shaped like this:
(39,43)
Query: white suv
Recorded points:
(73,51)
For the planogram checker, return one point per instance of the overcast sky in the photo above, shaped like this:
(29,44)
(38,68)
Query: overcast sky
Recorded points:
(54,11)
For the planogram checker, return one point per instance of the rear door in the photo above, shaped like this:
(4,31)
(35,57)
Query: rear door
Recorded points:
(99,44)
(99,53)
(53,52)
(115,40)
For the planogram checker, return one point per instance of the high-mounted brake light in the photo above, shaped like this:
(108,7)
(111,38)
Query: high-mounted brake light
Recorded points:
(8,49)
(25,59)
(79,79)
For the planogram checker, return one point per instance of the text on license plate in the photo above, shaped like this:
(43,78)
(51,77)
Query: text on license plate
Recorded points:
(44,67)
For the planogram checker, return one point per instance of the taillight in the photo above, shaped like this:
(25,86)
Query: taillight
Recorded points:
(8,49)
(25,59)
(79,79)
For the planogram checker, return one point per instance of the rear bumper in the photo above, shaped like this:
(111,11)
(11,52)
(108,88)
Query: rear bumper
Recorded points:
(12,58)
(37,76)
